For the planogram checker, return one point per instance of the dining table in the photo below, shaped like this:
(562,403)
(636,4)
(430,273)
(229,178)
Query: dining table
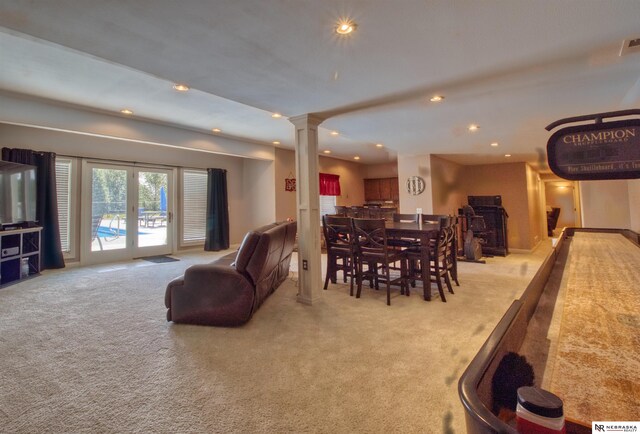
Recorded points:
(422,233)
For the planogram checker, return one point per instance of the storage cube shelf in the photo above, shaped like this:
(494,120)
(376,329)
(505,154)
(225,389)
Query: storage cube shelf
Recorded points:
(17,247)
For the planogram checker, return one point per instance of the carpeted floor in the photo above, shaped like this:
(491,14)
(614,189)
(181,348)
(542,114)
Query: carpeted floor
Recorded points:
(89,350)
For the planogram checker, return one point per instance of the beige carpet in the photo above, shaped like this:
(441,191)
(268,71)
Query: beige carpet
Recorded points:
(88,350)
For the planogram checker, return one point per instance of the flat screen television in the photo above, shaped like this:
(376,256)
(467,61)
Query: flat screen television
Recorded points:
(17,193)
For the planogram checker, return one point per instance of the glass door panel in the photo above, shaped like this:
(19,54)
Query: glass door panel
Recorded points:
(154,216)
(108,209)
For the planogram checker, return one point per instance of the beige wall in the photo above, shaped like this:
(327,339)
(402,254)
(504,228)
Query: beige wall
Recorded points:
(517,183)
(634,204)
(561,194)
(534,193)
(508,180)
(285,167)
(605,204)
(257,197)
(415,165)
(385,170)
(351,181)
(449,193)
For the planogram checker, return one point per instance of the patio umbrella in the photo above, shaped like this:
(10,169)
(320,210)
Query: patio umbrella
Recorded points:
(163,199)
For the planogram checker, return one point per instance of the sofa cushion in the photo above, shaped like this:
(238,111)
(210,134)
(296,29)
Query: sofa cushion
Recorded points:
(245,252)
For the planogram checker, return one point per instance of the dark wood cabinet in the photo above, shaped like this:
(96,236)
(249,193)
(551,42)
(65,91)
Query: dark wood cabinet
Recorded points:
(377,189)
(385,189)
(371,189)
(395,189)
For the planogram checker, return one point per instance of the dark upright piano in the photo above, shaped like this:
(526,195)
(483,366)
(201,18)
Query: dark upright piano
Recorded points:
(495,219)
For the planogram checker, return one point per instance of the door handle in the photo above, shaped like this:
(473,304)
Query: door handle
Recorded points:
(169,217)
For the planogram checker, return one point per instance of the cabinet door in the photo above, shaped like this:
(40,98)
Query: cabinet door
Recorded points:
(395,189)
(385,189)
(371,189)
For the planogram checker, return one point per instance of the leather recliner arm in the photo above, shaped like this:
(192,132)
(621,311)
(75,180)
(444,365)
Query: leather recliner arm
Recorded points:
(211,294)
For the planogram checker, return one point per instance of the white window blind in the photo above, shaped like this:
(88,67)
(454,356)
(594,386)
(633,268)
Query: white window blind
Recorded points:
(327,205)
(194,209)
(63,187)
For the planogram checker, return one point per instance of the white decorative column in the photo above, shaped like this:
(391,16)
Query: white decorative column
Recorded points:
(308,200)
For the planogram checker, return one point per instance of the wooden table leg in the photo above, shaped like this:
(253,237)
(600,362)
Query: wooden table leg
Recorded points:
(425,268)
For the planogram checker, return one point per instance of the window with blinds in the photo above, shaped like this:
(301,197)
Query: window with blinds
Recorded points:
(194,206)
(63,186)
(327,205)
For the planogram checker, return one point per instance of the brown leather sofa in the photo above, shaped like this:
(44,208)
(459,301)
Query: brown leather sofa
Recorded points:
(228,291)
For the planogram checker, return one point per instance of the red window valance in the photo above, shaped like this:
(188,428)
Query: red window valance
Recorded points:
(329,184)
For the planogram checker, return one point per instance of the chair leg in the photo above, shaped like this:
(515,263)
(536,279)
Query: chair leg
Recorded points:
(359,278)
(388,286)
(448,282)
(440,289)
(352,271)
(405,281)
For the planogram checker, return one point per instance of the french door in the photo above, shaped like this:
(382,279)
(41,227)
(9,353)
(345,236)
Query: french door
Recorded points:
(127,212)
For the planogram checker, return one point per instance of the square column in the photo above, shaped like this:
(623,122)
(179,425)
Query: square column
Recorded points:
(308,201)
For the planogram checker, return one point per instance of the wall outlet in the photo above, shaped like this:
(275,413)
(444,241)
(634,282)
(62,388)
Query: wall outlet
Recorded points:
(418,210)
(305,264)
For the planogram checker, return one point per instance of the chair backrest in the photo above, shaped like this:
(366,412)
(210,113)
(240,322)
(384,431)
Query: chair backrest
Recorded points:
(387,213)
(95,224)
(370,236)
(410,218)
(341,210)
(338,232)
(442,219)
(356,212)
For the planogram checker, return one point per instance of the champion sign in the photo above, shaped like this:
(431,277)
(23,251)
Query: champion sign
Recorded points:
(608,150)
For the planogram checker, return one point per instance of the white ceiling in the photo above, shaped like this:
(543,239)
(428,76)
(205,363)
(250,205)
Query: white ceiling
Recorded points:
(510,66)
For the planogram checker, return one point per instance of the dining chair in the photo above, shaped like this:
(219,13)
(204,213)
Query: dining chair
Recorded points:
(374,213)
(338,235)
(403,242)
(341,210)
(452,250)
(438,261)
(372,249)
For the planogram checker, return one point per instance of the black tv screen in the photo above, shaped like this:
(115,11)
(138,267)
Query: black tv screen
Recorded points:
(17,193)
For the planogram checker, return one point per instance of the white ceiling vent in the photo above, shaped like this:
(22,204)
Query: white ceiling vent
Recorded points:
(629,46)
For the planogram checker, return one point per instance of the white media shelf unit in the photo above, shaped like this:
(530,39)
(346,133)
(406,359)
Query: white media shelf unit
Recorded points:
(18,247)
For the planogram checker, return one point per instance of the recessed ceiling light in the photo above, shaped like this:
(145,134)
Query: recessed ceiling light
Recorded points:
(345,27)
(275,142)
(326,151)
(507,155)
(181,87)
(356,157)
(474,127)
(216,130)
(334,133)
(494,144)
(276,115)
(379,145)
(126,112)
(436,98)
